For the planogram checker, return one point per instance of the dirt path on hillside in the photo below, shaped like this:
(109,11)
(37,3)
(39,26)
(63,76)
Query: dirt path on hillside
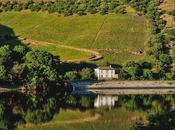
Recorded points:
(95,55)
(99,31)
(123,50)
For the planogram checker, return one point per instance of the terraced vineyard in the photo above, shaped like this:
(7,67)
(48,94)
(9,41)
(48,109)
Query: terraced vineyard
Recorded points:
(119,36)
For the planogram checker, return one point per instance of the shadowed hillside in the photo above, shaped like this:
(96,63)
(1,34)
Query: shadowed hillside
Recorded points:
(7,35)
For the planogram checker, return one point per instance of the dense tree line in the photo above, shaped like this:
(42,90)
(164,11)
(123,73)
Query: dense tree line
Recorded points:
(21,66)
(161,67)
(84,74)
(38,72)
(67,7)
(158,42)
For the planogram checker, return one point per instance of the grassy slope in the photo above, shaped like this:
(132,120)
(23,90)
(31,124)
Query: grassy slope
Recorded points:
(66,55)
(118,31)
(115,57)
(118,119)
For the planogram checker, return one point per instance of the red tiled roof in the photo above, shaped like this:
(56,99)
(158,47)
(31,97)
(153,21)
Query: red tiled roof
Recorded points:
(105,68)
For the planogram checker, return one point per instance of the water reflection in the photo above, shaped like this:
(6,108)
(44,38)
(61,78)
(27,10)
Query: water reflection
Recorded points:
(25,108)
(105,101)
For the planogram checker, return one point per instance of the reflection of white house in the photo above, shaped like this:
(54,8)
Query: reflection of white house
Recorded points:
(105,101)
(106,73)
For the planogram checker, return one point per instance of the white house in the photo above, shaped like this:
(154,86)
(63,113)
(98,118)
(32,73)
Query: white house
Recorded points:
(108,72)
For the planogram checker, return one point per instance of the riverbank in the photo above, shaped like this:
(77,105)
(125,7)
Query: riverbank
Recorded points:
(122,84)
(124,87)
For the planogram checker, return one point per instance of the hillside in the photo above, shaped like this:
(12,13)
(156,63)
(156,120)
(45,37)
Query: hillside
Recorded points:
(120,37)
(169,5)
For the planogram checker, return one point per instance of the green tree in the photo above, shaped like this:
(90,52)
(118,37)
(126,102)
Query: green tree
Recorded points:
(124,75)
(165,58)
(135,71)
(22,50)
(5,54)
(147,74)
(37,58)
(72,75)
(86,74)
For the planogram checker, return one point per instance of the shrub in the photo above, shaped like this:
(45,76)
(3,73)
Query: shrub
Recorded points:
(22,50)
(165,58)
(37,116)
(147,74)
(81,12)
(172,12)
(121,9)
(3,72)
(72,75)
(86,74)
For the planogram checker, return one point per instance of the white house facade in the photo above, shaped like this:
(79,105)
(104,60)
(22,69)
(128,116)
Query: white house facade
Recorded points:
(106,73)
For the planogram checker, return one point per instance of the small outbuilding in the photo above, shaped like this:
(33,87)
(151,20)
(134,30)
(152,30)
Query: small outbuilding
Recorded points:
(106,72)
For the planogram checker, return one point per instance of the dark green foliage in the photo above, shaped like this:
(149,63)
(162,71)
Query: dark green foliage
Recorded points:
(22,50)
(171,32)
(37,58)
(72,75)
(154,16)
(3,72)
(165,58)
(150,103)
(43,66)
(64,7)
(147,75)
(135,71)
(70,100)
(159,121)
(5,54)
(86,74)
(140,5)
(172,12)
(20,65)
(124,75)
(121,9)
(4,123)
